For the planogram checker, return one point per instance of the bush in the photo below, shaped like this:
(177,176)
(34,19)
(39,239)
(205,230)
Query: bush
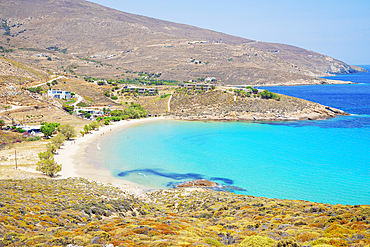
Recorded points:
(34,138)
(163,96)
(26,134)
(266,94)
(257,241)
(114,97)
(20,130)
(68,108)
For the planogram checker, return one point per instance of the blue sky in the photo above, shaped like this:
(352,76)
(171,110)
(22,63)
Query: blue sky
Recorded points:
(337,28)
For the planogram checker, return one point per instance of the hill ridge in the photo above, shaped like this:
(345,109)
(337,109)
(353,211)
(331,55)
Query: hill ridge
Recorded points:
(70,30)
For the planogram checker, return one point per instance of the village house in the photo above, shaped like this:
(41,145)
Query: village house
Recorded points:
(32,129)
(190,86)
(94,111)
(140,90)
(210,79)
(59,94)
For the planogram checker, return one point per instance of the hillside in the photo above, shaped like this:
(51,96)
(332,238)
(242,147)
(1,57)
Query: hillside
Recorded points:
(225,105)
(15,73)
(83,38)
(40,212)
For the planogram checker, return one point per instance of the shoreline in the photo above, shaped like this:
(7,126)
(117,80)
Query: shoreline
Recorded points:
(72,157)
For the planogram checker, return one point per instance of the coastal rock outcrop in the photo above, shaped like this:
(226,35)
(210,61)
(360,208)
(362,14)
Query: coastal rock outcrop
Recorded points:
(225,106)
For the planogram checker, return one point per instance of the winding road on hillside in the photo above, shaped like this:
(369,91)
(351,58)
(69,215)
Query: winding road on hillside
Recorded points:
(59,77)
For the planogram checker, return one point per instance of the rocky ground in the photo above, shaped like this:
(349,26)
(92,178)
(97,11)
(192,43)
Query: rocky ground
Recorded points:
(224,105)
(45,212)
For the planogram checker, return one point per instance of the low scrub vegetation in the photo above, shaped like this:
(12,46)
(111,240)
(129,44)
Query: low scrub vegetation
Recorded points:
(40,212)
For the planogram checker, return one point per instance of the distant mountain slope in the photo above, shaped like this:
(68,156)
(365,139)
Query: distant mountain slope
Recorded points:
(98,41)
(18,73)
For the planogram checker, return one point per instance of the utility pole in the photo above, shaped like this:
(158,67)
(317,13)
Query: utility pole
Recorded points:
(15,154)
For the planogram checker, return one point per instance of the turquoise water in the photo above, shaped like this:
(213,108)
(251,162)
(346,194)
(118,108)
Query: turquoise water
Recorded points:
(323,161)
(310,163)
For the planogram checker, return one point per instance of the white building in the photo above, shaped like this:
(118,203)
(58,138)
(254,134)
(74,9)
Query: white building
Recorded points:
(59,94)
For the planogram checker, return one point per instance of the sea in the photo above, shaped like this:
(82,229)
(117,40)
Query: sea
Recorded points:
(325,161)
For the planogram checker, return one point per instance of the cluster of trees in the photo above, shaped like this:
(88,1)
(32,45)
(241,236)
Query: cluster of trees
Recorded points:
(47,164)
(133,111)
(89,127)
(54,82)
(242,92)
(266,94)
(35,89)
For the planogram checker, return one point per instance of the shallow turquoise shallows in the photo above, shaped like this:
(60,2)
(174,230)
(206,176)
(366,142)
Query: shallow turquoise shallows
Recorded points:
(323,161)
(329,165)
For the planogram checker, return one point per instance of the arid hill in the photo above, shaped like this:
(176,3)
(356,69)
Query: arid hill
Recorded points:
(83,38)
(226,105)
(12,72)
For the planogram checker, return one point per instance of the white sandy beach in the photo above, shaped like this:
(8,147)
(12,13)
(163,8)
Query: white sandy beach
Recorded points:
(71,156)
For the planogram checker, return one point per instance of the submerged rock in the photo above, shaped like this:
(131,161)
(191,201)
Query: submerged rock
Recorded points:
(197,182)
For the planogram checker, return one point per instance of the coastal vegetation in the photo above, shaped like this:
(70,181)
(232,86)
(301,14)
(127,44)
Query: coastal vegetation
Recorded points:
(48,128)
(266,94)
(47,164)
(79,212)
(35,212)
(132,111)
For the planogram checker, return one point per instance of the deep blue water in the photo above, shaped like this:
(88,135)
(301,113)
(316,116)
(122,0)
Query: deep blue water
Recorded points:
(354,99)
(323,161)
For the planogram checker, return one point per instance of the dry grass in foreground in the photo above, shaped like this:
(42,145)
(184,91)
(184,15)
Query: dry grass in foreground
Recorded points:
(44,212)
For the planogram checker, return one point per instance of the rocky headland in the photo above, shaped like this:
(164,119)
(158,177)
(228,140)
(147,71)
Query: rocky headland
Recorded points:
(223,105)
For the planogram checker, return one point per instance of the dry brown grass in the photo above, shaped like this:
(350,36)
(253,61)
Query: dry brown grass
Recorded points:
(27,157)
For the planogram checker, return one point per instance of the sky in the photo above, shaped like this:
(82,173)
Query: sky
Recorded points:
(337,28)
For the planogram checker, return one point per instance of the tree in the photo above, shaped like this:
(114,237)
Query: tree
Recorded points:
(67,130)
(94,125)
(2,123)
(82,133)
(48,128)
(47,164)
(86,129)
(51,148)
(58,140)
(38,89)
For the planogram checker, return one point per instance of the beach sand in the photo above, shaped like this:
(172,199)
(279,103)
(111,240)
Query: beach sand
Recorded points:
(72,157)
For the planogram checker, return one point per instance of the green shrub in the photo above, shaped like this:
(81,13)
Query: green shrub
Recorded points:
(257,241)
(213,242)
(33,138)
(266,94)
